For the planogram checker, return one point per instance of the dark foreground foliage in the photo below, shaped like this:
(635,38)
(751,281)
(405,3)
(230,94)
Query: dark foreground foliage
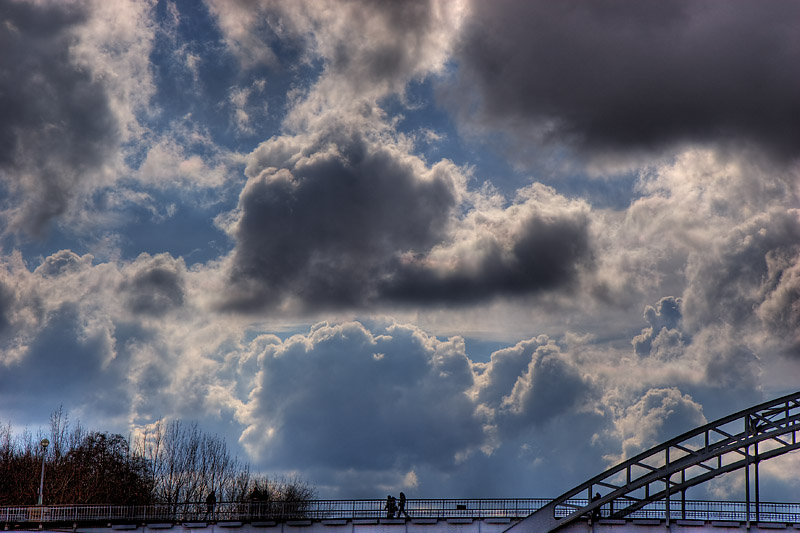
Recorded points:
(170,462)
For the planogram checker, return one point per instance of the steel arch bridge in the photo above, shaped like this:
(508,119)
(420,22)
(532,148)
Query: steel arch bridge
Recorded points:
(663,473)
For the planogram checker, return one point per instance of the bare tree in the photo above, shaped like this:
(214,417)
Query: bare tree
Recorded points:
(59,433)
(169,462)
(281,496)
(188,463)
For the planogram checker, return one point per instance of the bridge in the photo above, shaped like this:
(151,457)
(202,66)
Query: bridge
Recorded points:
(340,516)
(645,492)
(738,441)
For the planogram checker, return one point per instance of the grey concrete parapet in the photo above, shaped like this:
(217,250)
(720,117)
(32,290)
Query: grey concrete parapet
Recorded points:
(424,520)
(459,520)
(268,523)
(124,526)
(229,523)
(690,523)
(340,522)
(393,521)
(771,525)
(647,521)
(298,523)
(498,520)
(365,521)
(612,521)
(726,523)
(195,525)
(166,525)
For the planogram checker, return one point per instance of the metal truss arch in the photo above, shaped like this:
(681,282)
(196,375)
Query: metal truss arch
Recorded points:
(737,441)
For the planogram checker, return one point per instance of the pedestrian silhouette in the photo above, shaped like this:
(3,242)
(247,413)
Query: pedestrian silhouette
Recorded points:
(402,507)
(211,501)
(596,510)
(391,506)
(255,502)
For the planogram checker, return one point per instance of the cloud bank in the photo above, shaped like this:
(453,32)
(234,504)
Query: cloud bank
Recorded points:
(364,243)
(612,76)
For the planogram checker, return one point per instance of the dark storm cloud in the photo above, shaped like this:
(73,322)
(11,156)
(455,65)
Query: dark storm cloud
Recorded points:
(155,285)
(345,222)
(633,76)
(324,229)
(547,253)
(56,127)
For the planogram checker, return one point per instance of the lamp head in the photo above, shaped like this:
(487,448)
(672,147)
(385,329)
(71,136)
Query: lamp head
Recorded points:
(45,443)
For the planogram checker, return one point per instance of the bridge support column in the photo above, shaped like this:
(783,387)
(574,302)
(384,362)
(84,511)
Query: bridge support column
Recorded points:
(747,430)
(683,495)
(666,490)
(758,496)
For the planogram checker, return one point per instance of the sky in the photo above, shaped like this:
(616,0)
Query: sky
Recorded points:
(463,249)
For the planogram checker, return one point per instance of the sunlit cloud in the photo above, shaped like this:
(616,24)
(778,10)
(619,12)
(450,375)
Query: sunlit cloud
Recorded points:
(373,244)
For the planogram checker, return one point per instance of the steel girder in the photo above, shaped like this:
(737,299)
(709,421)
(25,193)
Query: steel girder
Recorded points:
(731,443)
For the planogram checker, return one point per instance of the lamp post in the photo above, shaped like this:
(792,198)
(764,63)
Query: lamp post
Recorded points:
(45,443)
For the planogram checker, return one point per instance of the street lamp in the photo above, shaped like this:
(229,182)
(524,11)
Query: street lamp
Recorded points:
(45,443)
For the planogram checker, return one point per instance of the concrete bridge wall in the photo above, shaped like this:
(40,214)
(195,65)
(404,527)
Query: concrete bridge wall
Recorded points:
(432,525)
(678,526)
(416,525)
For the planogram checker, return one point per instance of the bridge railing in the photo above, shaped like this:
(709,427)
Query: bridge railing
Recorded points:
(788,513)
(273,510)
(513,508)
(426,508)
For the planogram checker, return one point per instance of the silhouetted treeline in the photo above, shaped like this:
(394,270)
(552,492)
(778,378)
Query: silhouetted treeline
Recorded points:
(171,462)
(81,466)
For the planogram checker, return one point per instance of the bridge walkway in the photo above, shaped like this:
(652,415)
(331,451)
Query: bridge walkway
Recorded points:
(316,516)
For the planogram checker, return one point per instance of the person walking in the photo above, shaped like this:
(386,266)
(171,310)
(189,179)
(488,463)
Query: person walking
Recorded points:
(401,509)
(391,506)
(255,503)
(596,510)
(211,501)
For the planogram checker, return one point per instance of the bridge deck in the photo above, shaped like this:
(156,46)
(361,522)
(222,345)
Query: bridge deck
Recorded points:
(354,510)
